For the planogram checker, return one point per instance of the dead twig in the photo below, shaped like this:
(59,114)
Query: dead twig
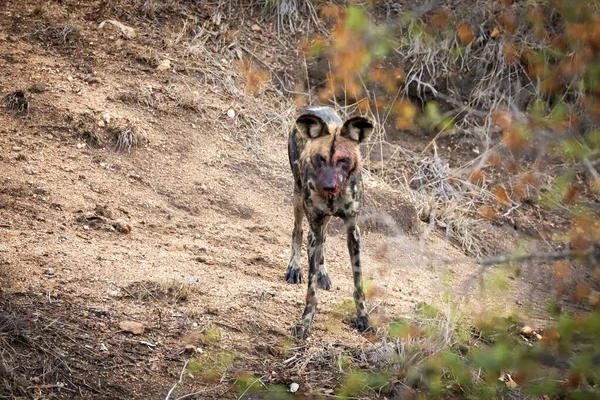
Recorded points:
(179,381)
(534,256)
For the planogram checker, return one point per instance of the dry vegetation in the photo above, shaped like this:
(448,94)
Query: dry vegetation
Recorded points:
(487,116)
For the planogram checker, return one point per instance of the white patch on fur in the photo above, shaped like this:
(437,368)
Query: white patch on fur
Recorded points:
(354,133)
(357,131)
(310,127)
(315,130)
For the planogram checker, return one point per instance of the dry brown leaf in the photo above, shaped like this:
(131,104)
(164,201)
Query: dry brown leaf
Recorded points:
(330,11)
(440,19)
(502,119)
(501,195)
(582,291)
(406,112)
(510,54)
(487,212)
(571,195)
(495,32)
(561,270)
(514,140)
(477,176)
(465,33)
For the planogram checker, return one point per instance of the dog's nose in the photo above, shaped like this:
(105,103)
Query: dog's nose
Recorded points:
(329,188)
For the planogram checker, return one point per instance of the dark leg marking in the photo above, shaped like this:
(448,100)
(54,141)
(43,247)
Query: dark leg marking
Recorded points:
(294,271)
(362,320)
(315,251)
(323,281)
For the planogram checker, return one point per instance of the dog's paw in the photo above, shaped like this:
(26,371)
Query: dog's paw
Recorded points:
(362,324)
(300,331)
(323,281)
(293,274)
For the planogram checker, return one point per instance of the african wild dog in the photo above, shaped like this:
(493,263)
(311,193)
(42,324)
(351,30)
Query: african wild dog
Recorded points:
(326,164)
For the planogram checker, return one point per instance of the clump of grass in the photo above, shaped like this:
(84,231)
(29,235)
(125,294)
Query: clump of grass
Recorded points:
(64,35)
(18,101)
(446,201)
(411,349)
(212,367)
(173,291)
(127,136)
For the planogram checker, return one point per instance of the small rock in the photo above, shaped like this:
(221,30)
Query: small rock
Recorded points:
(127,31)
(92,79)
(294,387)
(28,169)
(49,272)
(39,87)
(80,145)
(203,188)
(236,307)
(70,78)
(231,113)
(132,327)
(103,347)
(190,348)
(122,227)
(164,65)
(526,330)
(256,28)
(17,148)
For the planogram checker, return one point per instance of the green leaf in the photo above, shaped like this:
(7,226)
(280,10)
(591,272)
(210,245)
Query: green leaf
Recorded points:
(356,20)
(575,150)
(494,358)
(399,329)
(592,77)
(428,311)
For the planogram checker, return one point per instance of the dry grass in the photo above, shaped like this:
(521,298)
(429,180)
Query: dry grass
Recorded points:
(18,101)
(61,35)
(127,136)
(445,200)
(173,292)
(477,77)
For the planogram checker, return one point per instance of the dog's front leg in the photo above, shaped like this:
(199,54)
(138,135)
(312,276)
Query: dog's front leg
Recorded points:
(362,320)
(315,256)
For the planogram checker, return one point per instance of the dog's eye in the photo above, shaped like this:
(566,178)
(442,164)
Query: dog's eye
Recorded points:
(344,162)
(319,160)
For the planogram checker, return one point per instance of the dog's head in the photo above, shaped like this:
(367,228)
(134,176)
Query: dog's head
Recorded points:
(332,153)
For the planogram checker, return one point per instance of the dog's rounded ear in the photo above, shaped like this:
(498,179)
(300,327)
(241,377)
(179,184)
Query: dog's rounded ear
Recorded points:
(358,129)
(310,126)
